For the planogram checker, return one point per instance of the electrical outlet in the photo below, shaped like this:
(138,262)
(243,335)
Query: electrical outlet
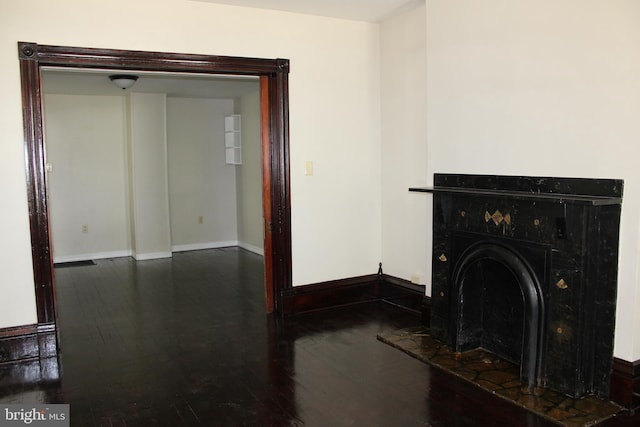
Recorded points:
(85,228)
(200,220)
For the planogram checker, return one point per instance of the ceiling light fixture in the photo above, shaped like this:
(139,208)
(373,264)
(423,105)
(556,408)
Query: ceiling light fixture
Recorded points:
(123,81)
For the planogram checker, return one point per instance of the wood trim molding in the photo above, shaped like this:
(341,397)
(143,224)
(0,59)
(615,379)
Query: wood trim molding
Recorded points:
(355,290)
(267,213)
(273,75)
(625,383)
(280,180)
(28,355)
(36,184)
(27,342)
(403,293)
(332,294)
(16,331)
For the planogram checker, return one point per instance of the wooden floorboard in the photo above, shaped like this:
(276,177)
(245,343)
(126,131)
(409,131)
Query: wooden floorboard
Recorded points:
(186,342)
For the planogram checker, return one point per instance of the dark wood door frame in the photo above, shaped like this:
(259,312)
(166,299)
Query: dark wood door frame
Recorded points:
(274,93)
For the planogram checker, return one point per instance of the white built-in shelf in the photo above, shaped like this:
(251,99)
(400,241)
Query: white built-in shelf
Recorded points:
(233,139)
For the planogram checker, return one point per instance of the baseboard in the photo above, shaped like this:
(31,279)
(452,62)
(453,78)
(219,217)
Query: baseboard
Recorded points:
(152,255)
(625,383)
(354,290)
(88,257)
(28,355)
(335,293)
(403,293)
(201,246)
(426,310)
(251,248)
(28,342)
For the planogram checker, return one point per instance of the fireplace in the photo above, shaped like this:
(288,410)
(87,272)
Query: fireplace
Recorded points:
(526,267)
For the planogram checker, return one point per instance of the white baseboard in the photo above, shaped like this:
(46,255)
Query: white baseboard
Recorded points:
(251,248)
(200,246)
(88,257)
(152,255)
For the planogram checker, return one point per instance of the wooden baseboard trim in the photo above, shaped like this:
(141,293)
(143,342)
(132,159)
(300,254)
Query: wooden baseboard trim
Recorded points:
(402,293)
(17,331)
(335,293)
(355,290)
(28,355)
(426,311)
(28,342)
(625,383)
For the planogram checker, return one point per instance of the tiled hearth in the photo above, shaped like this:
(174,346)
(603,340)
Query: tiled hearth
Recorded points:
(501,378)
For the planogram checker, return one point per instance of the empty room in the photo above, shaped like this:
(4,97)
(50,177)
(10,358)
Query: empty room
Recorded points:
(404,212)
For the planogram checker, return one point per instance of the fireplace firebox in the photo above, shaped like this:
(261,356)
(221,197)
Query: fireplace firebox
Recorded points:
(526,268)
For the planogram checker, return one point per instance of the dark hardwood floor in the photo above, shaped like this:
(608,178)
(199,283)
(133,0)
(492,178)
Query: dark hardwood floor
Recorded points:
(186,342)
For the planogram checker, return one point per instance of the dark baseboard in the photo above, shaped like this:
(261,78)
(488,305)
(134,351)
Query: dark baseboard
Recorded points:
(28,355)
(426,310)
(335,293)
(625,384)
(402,293)
(355,290)
(28,342)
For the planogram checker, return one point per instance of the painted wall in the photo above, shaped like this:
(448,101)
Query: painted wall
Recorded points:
(249,175)
(336,212)
(200,183)
(149,181)
(542,88)
(86,148)
(535,88)
(404,146)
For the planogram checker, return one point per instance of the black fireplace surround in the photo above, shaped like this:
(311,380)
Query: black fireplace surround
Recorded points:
(526,267)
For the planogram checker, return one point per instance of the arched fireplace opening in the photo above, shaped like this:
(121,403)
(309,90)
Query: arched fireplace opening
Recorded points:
(550,242)
(498,306)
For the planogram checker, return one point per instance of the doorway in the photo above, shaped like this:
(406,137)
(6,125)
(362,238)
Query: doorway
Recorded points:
(143,172)
(273,75)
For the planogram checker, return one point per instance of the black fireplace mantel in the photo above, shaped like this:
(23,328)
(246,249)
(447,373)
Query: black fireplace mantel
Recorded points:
(594,192)
(578,199)
(566,231)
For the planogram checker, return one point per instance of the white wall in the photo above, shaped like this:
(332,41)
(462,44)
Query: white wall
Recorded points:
(542,88)
(335,116)
(149,184)
(85,138)
(87,147)
(335,213)
(201,184)
(249,175)
(405,225)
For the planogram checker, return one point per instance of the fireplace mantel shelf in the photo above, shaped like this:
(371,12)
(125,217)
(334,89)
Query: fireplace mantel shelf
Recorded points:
(523,195)
(535,280)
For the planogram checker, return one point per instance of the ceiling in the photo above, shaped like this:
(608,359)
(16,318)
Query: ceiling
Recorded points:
(357,10)
(96,82)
